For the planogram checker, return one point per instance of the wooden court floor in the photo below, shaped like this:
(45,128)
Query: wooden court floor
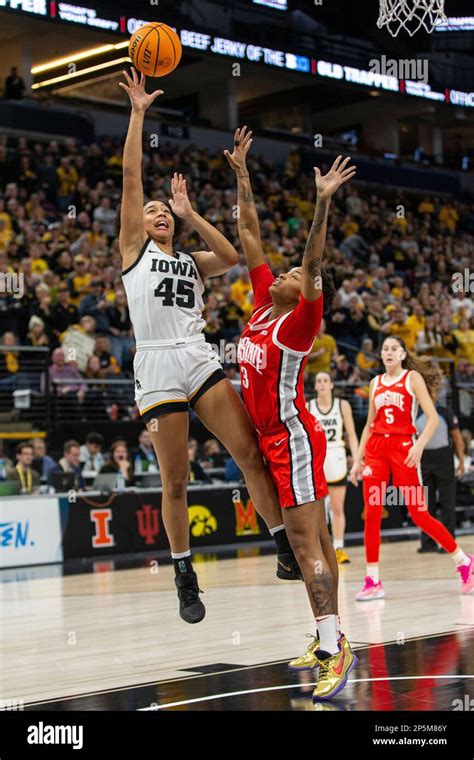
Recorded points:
(112,639)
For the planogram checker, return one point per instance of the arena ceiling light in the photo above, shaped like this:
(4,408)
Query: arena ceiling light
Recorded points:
(74,57)
(82,72)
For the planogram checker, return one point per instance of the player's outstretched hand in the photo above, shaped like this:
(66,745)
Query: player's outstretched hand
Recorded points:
(180,202)
(242,142)
(338,174)
(135,89)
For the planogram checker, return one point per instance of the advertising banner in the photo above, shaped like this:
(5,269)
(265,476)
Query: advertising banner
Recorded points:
(30,531)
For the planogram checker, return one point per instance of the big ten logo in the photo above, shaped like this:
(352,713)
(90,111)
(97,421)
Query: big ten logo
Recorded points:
(148,523)
(102,537)
(201,521)
(246,522)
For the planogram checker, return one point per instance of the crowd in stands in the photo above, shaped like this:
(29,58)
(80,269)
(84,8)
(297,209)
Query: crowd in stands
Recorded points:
(392,257)
(34,469)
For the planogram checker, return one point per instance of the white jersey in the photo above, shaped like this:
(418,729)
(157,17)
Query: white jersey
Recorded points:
(335,464)
(332,422)
(164,296)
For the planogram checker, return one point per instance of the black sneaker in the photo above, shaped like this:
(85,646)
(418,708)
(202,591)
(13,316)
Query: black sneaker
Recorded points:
(288,568)
(427,549)
(191,608)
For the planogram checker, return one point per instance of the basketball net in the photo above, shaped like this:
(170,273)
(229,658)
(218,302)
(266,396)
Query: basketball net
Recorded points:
(410,15)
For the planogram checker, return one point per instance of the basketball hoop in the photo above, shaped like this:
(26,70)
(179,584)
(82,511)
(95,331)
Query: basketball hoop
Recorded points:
(411,15)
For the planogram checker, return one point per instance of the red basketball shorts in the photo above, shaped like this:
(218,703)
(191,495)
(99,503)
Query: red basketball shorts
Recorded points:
(294,454)
(385,456)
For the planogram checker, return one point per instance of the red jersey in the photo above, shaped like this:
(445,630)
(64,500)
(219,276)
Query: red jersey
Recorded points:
(272,354)
(396,406)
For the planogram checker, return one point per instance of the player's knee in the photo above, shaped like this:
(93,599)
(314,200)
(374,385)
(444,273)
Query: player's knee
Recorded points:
(176,485)
(249,458)
(301,548)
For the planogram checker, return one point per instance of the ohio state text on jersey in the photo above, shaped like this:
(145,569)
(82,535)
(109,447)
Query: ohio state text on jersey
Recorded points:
(272,354)
(396,406)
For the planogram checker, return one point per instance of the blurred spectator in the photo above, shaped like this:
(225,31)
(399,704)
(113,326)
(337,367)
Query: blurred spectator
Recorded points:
(95,305)
(323,353)
(108,364)
(23,472)
(144,455)
(36,335)
(213,455)
(42,462)
(232,472)
(70,462)
(59,370)
(120,329)
(196,472)
(398,327)
(9,361)
(90,454)
(345,371)
(465,338)
(106,216)
(67,183)
(119,461)
(366,360)
(63,312)
(14,85)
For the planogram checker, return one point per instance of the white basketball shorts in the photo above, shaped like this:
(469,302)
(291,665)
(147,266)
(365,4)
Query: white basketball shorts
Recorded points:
(335,465)
(170,376)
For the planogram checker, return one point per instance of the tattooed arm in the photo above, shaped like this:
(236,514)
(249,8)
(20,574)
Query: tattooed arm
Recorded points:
(311,286)
(247,217)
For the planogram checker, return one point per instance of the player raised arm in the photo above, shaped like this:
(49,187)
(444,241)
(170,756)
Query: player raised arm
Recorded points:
(132,234)
(326,186)
(222,255)
(247,220)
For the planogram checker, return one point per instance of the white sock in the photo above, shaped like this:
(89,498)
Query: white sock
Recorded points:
(326,626)
(338,543)
(373,572)
(459,557)
(181,555)
(275,530)
(338,626)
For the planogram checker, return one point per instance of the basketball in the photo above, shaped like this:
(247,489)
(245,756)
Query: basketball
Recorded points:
(155,50)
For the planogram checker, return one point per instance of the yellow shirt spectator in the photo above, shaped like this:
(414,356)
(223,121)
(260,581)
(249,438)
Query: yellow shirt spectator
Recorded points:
(239,290)
(465,349)
(321,363)
(416,324)
(67,180)
(366,363)
(449,217)
(349,228)
(426,207)
(38,266)
(405,332)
